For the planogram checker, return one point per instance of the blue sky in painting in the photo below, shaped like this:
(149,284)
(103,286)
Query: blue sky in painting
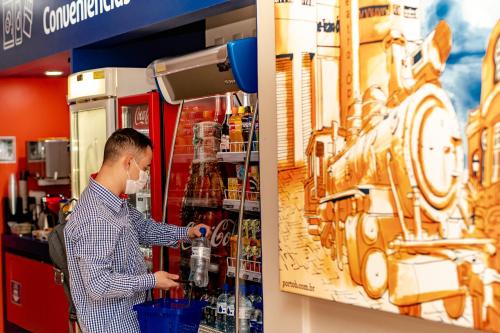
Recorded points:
(471,23)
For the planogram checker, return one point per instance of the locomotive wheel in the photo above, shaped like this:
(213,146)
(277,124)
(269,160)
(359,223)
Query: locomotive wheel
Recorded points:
(374,273)
(414,310)
(454,306)
(354,259)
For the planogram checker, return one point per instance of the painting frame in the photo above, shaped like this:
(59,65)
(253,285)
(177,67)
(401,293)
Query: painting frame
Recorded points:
(7,149)
(388,168)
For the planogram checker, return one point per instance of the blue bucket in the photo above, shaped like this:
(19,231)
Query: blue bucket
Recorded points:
(168,315)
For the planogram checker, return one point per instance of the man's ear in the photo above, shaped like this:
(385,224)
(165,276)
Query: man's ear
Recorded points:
(126,160)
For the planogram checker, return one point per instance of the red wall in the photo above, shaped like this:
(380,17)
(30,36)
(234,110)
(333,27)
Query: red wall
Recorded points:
(30,108)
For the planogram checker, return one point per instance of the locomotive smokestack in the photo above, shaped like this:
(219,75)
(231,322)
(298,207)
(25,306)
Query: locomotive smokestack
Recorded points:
(350,95)
(430,60)
(442,42)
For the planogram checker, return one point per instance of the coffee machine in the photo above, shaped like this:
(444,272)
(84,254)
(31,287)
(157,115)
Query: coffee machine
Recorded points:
(49,161)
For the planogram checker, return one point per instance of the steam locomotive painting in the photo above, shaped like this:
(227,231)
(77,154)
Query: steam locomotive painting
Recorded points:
(397,198)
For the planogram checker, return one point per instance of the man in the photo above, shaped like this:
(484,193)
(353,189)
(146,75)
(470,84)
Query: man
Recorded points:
(108,275)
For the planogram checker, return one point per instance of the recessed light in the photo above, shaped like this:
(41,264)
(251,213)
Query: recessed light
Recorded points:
(54,73)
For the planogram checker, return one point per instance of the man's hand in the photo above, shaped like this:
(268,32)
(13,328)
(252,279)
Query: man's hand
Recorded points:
(195,231)
(165,280)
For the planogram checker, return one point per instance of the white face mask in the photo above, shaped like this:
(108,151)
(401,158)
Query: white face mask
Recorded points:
(134,186)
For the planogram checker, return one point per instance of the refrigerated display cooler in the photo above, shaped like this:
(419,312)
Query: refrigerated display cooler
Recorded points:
(149,114)
(92,96)
(211,175)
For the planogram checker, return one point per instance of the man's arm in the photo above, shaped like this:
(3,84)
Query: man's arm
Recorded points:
(153,233)
(94,249)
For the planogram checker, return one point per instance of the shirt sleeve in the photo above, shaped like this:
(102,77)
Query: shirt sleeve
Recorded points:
(94,249)
(154,233)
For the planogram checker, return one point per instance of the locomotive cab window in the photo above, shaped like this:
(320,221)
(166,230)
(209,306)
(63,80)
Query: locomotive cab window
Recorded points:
(476,165)
(484,144)
(311,164)
(496,59)
(495,177)
(319,152)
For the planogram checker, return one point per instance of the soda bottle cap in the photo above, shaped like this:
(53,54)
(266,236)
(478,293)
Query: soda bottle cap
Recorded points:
(241,110)
(203,231)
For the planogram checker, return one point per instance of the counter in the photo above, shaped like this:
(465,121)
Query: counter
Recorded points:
(33,301)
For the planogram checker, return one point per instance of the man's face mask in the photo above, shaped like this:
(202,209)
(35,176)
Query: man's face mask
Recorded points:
(134,186)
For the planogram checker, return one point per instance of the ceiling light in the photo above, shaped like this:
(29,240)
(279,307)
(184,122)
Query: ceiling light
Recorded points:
(54,73)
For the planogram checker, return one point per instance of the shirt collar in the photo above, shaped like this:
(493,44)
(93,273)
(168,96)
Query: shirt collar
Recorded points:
(107,197)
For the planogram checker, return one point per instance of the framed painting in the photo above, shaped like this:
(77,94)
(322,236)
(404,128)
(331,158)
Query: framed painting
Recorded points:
(388,116)
(7,149)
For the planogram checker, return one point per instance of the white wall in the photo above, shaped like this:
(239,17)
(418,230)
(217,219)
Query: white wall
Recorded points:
(284,312)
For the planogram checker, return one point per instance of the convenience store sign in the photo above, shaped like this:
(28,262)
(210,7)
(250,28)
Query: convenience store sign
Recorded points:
(32,29)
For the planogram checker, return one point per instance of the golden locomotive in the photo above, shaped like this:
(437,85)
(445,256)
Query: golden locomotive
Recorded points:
(386,189)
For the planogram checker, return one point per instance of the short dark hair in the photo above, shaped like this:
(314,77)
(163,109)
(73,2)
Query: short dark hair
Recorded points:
(123,139)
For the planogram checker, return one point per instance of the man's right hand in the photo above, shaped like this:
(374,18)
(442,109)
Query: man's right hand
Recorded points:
(165,280)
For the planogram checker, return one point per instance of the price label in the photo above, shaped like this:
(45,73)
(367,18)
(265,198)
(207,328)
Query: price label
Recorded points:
(202,252)
(221,308)
(230,310)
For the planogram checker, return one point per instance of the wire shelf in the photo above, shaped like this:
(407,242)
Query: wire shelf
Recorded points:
(249,270)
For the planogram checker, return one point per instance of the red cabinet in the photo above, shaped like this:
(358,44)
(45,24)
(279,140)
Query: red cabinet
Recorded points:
(33,300)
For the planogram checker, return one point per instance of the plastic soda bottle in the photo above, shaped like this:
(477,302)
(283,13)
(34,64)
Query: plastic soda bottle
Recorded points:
(200,260)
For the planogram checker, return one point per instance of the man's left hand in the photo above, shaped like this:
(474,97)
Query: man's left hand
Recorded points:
(194,232)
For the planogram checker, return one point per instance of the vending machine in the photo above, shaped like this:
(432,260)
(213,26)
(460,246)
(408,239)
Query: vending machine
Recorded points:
(212,177)
(92,96)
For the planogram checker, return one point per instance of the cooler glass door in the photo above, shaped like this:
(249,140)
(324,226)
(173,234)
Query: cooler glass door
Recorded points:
(142,113)
(91,124)
(204,186)
(137,112)
(185,204)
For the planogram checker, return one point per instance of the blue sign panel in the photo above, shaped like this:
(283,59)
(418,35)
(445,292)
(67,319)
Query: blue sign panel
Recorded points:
(32,29)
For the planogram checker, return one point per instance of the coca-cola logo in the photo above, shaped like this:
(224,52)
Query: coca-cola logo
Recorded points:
(220,235)
(141,118)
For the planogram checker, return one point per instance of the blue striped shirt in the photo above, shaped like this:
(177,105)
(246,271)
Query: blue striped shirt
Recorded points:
(108,275)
